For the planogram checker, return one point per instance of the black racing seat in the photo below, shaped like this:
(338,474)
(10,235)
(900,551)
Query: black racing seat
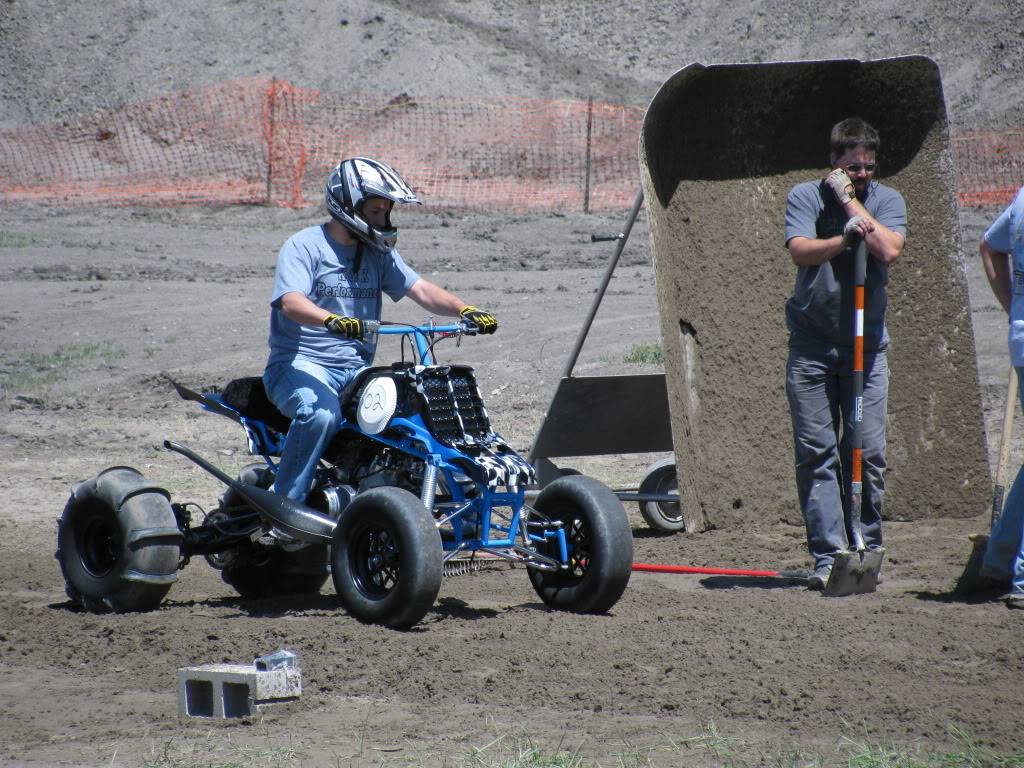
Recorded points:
(249,398)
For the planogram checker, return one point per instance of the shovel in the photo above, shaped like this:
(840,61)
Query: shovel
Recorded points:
(856,570)
(971,581)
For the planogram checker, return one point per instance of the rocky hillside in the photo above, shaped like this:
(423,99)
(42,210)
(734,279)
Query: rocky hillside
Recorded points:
(59,58)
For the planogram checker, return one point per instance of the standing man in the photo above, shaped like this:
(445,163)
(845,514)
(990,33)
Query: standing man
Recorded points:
(1002,253)
(330,279)
(824,220)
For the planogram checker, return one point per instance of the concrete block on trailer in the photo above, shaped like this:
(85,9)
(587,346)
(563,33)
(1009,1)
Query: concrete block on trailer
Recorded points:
(720,148)
(234,690)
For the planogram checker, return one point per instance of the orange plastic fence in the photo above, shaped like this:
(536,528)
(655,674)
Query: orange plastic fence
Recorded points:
(200,146)
(990,166)
(263,141)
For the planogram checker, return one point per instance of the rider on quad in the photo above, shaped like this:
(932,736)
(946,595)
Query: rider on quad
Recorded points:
(328,283)
(380,509)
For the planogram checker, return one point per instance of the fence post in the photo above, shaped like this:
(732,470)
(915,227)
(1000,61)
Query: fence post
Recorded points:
(586,179)
(271,119)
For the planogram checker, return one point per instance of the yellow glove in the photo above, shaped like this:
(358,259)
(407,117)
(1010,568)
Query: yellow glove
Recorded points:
(349,327)
(485,322)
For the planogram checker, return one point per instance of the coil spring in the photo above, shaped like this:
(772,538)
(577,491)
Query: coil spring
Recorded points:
(461,567)
(466,566)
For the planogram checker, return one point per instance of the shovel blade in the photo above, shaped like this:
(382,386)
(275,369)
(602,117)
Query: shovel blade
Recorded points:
(970,580)
(854,573)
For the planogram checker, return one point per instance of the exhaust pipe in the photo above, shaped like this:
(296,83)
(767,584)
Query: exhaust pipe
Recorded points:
(291,517)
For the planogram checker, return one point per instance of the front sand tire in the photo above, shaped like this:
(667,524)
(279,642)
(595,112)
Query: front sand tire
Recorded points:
(386,558)
(599,543)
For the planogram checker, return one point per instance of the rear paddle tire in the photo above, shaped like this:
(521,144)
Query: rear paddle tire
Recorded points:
(118,543)
(662,478)
(256,571)
(386,558)
(598,540)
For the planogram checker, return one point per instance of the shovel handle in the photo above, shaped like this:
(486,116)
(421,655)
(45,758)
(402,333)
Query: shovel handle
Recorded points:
(1009,409)
(857,417)
(860,260)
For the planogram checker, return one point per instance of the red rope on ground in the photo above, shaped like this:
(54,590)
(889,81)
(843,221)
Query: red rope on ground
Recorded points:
(695,569)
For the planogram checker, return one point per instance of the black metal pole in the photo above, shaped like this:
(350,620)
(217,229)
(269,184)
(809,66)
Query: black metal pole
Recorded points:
(574,355)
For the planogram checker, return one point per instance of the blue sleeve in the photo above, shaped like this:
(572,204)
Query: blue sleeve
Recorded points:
(398,276)
(295,270)
(998,235)
(803,205)
(892,212)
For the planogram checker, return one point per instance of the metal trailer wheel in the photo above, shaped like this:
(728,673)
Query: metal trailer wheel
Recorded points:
(118,543)
(256,571)
(600,545)
(386,558)
(662,478)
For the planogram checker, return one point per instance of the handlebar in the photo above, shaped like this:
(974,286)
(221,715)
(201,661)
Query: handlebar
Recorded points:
(387,327)
(421,334)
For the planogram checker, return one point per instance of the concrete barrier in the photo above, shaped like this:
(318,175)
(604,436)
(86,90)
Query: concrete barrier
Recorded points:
(720,148)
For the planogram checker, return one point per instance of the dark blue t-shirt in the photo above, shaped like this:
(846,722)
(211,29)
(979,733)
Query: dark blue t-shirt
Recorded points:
(820,311)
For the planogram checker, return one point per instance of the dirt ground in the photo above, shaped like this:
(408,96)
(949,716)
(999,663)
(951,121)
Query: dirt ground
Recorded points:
(96,304)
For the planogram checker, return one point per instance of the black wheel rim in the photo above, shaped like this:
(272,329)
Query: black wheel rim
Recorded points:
(99,545)
(577,539)
(375,559)
(578,548)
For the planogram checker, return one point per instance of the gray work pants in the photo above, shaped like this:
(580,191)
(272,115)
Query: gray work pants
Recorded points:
(819,386)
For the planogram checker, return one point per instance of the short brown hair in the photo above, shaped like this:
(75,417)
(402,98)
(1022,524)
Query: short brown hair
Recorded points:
(851,133)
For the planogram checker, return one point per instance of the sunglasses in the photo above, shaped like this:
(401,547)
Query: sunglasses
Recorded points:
(858,167)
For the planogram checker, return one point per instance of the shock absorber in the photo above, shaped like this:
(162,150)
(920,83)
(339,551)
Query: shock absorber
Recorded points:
(429,485)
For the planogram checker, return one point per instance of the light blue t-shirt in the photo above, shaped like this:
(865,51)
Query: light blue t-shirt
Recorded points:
(313,264)
(820,311)
(1006,235)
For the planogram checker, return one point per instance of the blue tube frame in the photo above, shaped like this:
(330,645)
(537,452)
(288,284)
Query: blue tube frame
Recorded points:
(416,440)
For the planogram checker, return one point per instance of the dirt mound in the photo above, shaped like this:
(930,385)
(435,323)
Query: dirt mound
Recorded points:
(62,59)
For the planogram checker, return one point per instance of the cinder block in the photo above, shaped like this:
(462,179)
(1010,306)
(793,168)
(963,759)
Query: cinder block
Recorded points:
(234,690)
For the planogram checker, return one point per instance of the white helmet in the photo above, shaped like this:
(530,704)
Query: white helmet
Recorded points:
(351,184)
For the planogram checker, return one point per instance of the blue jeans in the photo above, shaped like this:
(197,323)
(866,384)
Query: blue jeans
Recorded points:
(1004,556)
(307,393)
(819,386)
